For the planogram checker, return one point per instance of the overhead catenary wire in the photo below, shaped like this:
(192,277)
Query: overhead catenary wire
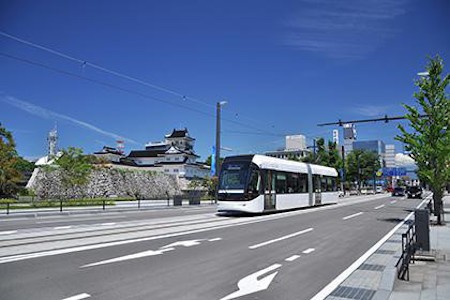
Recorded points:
(85,63)
(112,86)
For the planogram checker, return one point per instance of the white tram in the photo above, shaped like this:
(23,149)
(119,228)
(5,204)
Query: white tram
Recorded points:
(258,183)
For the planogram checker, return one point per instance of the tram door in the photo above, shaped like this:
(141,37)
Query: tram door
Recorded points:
(317,190)
(270,196)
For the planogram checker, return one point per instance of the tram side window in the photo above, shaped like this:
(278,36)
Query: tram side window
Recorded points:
(331,184)
(303,183)
(323,183)
(280,183)
(293,183)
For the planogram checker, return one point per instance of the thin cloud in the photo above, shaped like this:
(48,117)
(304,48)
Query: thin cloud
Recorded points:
(372,110)
(343,29)
(51,115)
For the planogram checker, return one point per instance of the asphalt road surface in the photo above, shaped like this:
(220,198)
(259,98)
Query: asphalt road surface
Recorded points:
(190,253)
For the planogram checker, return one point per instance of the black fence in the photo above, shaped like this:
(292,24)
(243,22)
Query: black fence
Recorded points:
(408,251)
(30,204)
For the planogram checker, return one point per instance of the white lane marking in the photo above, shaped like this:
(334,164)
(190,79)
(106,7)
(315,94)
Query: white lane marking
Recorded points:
(292,258)
(309,250)
(280,239)
(189,243)
(62,227)
(340,279)
(78,297)
(251,284)
(214,239)
(393,201)
(7,232)
(19,257)
(379,206)
(107,224)
(128,257)
(352,216)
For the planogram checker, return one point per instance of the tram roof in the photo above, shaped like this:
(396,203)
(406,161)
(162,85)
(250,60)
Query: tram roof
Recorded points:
(272,163)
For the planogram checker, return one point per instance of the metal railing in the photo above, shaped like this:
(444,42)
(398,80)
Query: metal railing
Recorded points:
(408,251)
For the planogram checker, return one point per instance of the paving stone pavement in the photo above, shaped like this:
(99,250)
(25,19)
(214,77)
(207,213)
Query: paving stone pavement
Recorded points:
(376,277)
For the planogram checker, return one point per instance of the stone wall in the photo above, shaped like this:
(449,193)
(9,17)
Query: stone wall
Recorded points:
(107,182)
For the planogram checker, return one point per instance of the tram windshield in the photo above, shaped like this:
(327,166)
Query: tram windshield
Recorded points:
(234,175)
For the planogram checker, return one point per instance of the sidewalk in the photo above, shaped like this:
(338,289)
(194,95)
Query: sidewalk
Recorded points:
(374,277)
(430,280)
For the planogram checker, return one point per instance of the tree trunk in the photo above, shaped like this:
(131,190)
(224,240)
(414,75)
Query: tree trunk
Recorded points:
(437,201)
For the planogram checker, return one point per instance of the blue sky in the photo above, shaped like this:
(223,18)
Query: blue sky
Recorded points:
(283,67)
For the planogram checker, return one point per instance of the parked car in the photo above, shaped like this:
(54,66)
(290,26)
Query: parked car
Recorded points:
(398,191)
(414,192)
(379,189)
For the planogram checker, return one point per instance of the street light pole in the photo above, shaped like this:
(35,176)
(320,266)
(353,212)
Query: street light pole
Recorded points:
(217,154)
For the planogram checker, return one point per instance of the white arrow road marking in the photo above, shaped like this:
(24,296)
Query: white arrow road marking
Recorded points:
(183,243)
(78,297)
(128,257)
(379,206)
(352,216)
(309,250)
(250,284)
(281,238)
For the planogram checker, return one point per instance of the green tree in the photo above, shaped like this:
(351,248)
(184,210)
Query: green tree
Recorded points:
(326,155)
(209,159)
(361,165)
(74,168)
(319,155)
(9,175)
(429,142)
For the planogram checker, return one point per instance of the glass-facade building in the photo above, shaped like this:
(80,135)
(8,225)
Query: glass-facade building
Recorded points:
(376,146)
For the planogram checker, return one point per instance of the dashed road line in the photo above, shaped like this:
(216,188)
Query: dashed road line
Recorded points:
(379,206)
(292,258)
(280,239)
(352,216)
(7,232)
(393,201)
(107,224)
(78,297)
(309,250)
(62,227)
(215,239)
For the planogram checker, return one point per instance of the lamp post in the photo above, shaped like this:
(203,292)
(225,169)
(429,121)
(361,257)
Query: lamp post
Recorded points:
(217,154)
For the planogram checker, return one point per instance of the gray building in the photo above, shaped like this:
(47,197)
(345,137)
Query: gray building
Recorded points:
(295,147)
(389,156)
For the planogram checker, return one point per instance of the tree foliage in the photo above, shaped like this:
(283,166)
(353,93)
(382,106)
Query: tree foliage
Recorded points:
(74,168)
(326,155)
(10,176)
(429,142)
(361,165)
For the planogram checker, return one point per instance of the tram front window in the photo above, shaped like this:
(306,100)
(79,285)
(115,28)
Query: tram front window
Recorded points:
(233,176)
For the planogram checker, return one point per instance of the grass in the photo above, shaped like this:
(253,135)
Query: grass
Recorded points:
(14,204)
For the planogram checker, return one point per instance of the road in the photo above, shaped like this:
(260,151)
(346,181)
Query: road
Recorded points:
(191,253)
